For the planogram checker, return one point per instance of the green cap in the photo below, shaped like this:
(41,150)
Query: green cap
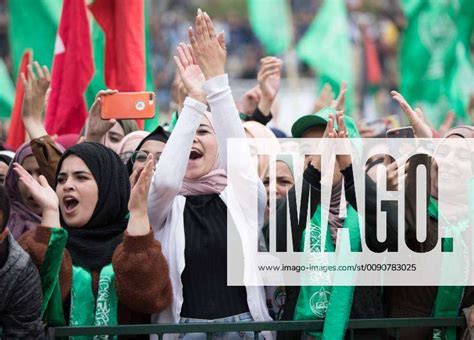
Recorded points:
(321,118)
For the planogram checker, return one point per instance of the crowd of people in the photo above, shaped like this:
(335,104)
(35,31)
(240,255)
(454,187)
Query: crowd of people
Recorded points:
(380,21)
(119,226)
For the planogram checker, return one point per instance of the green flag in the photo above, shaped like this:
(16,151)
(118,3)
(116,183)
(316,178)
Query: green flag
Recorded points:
(98,45)
(33,24)
(436,72)
(327,49)
(271,22)
(7,92)
(150,124)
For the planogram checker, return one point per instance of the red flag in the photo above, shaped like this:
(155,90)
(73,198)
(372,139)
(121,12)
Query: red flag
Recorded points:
(16,131)
(123,22)
(374,70)
(73,68)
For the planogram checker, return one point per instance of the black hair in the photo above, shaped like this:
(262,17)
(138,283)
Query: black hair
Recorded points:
(4,206)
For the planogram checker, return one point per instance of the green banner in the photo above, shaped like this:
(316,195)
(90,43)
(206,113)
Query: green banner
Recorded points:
(33,24)
(326,47)
(98,45)
(271,22)
(436,71)
(150,124)
(7,91)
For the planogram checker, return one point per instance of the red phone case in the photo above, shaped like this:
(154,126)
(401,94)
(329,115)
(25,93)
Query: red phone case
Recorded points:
(128,105)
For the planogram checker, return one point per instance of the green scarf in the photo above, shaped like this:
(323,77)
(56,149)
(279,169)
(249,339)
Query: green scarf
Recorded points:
(448,298)
(52,307)
(333,304)
(85,311)
(174,120)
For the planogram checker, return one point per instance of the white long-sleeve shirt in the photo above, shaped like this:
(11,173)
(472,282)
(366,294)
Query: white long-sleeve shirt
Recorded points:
(166,206)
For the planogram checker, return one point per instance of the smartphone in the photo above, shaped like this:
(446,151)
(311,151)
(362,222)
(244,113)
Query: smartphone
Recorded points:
(403,132)
(397,148)
(128,105)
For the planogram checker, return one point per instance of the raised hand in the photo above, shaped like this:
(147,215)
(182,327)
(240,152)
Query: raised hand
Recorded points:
(325,98)
(35,91)
(447,124)
(250,100)
(269,82)
(43,195)
(190,73)
(35,87)
(393,169)
(138,223)
(340,101)
(208,47)
(138,168)
(344,160)
(97,127)
(416,117)
(323,144)
(139,193)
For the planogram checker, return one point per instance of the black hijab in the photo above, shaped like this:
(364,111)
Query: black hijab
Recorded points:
(5,159)
(93,245)
(159,135)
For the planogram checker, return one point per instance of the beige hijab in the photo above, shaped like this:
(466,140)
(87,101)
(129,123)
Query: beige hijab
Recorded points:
(257,130)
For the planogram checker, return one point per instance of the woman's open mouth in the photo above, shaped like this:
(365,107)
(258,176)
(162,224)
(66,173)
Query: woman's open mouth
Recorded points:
(195,154)
(70,203)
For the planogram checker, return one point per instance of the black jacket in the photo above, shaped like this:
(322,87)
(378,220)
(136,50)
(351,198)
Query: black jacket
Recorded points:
(21,295)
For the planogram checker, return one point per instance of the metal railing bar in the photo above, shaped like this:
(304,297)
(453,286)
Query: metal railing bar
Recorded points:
(257,326)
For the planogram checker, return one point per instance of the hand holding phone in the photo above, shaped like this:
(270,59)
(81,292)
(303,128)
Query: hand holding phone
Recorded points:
(397,148)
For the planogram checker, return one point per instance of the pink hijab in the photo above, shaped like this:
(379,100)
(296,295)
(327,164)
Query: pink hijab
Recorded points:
(135,136)
(214,182)
(257,130)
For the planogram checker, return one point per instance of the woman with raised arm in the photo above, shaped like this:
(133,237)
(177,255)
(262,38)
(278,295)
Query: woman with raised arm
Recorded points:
(98,267)
(456,159)
(190,201)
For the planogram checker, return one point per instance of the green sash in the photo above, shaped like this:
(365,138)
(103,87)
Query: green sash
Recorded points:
(448,298)
(52,307)
(333,304)
(85,311)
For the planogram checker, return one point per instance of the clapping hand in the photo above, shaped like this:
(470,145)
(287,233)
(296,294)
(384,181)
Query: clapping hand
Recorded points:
(43,195)
(190,73)
(138,223)
(208,47)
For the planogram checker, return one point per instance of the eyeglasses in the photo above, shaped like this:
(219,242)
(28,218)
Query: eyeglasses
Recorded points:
(125,156)
(141,156)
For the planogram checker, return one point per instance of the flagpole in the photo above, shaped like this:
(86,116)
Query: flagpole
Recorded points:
(291,60)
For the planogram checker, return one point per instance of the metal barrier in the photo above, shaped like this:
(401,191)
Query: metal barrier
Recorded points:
(257,327)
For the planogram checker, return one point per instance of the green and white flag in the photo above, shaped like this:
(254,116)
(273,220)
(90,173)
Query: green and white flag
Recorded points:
(326,47)
(271,22)
(7,92)
(436,71)
(150,124)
